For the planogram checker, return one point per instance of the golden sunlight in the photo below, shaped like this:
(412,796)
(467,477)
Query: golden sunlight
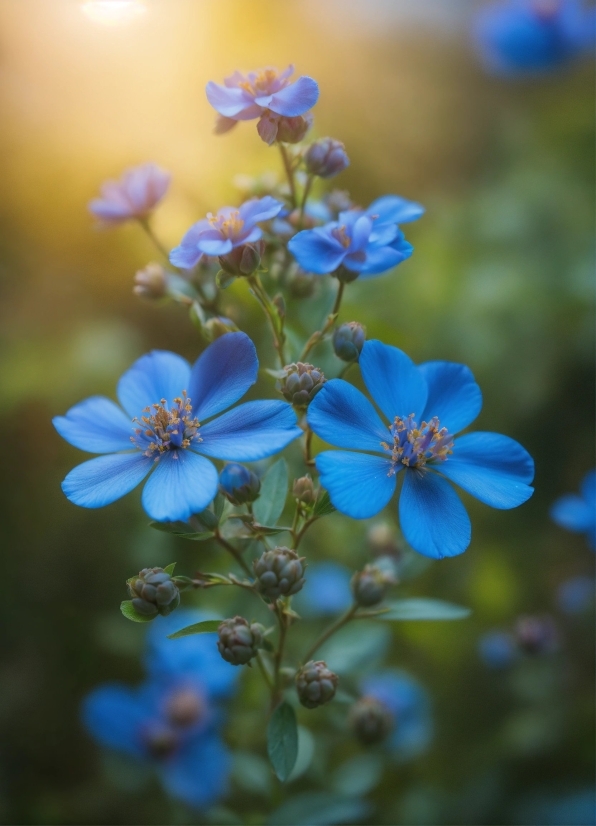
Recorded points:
(113,12)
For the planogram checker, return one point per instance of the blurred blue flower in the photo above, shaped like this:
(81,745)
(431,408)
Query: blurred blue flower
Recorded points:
(219,234)
(161,432)
(577,512)
(497,649)
(169,724)
(445,399)
(576,595)
(135,195)
(246,97)
(327,590)
(530,37)
(364,242)
(410,707)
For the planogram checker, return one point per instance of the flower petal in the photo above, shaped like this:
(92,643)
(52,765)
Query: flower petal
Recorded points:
(115,715)
(391,209)
(222,374)
(316,250)
(359,485)
(453,394)
(493,468)
(341,415)
(97,425)
(155,376)
(572,513)
(182,483)
(229,102)
(260,209)
(588,489)
(377,261)
(392,379)
(249,432)
(217,246)
(295,99)
(432,516)
(198,772)
(101,481)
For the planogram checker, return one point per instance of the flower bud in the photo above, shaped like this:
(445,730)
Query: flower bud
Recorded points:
(382,541)
(301,383)
(326,158)
(238,641)
(345,275)
(315,684)
(370,585)
(243,260)
(279,573)
(153,592)
(303,490)
(348,340)
(536,635)
(370,720)
(239,484)
(292,130)
(150,282)
(301,284)
(217,327)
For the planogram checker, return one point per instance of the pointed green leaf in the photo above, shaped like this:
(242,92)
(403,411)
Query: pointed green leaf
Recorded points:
(219,506)
(323,504)
(130,613)
(422,608)
(282,740)
(274,489)
(169,569)
(207,518)
(182,530)
(205,627)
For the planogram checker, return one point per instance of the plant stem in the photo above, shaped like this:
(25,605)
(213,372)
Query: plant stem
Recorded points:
(339,623)
(272,315)
(264,672)
(319,335)
(231,549)
(283,627)
(302,531)
(308,461)
(144,222)
(305,194)
(289,172)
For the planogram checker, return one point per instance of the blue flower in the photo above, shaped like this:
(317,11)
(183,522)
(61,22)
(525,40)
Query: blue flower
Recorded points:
(135,195)
(576,595)
(219,234)
(364,242)
(444,399)
(577,512)
(409,705)
(497,649)
(169,724)
(327,590)
(162,430)
(530,37)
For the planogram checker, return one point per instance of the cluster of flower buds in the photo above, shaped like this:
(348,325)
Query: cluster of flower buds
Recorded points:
(238,640)
(348,340)
(283,129)
(279,573)
(326,158)
(243,260)
(370,720)
(315,684)
(151,282)
(304,491)
(536,635)
(300,384)
(370,585)
(153,592)
(239,484)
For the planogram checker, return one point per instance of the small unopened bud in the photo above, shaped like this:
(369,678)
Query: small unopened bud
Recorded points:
(303,490)
(238,641)
(153,592)
(301,383)
(315,684)
(537,635)
(280,304)
(370,720)
(239,484)
(150,282)
(279,573)
(382,541)
(292,130)
(326,158)
(217,327)
(243,260)
(301,284)
(348,340)
(345,275)
(370,585)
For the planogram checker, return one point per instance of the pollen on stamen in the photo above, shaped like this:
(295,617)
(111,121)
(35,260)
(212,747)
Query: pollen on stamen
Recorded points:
(166,428)
(414,446)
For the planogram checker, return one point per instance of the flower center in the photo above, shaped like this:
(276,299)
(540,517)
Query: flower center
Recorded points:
(165,428)
(230,226)
(340,234)
(185,708)
(546,9)
(261,83)
(414,446)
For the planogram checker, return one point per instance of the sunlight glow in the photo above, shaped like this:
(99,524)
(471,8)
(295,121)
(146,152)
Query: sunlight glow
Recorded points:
(113,12)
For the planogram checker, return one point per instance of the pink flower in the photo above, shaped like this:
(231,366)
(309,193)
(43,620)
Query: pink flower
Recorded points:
(134,196)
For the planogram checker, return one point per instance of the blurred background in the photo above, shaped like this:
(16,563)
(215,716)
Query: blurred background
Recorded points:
(501,279)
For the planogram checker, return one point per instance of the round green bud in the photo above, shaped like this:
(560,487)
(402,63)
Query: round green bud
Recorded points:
(238,640)
(279,573)
(370,585)
(153,592)
(300,384)
(315,684)
(370,720)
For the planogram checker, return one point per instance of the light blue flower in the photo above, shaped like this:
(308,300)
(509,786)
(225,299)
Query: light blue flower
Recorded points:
(161,430)
(327,590)
(220,234)
(577,512)
(497,649)
(426,406)
(135,195)
(530,37)
(363,242)
(410,707)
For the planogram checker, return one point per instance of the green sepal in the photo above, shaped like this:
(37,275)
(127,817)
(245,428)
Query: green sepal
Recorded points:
(224,279)
(205,627)
(323,505)
(169,569)
(129,611)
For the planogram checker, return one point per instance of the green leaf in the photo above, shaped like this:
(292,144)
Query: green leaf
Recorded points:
(204,627)
(323,505)
(219,506)
(274,489)
(169,569)
(424,609)
(182,530)
(320,809)
(359,775)
(207,518)
(224,279)
(130,613)
(356,646)
(282,740)
(267,530)
(306,752)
